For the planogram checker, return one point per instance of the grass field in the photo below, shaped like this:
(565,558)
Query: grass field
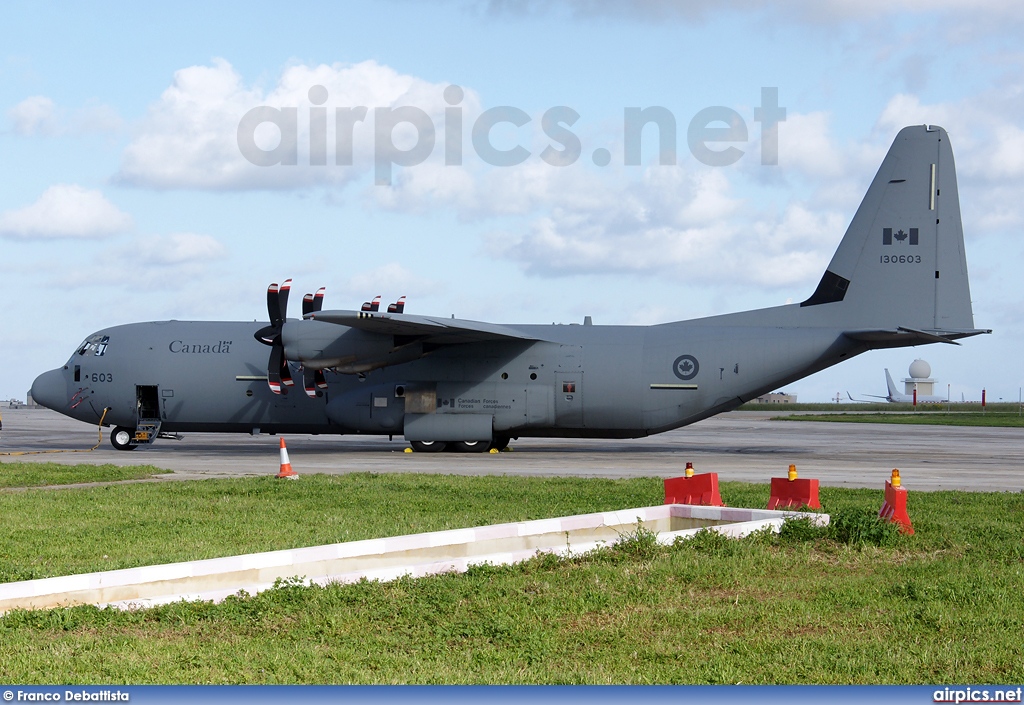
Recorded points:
(995,419)
(854,604)
(44,533)
(884,407)
(43,474)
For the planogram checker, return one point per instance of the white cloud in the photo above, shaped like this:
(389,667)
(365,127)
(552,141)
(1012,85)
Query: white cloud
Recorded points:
(906,109)
(685,226)
(190,137)
(1008,160)
(987,138)
(39,116)
(662,220)
(563,221)
(795,248)
(95,118)
(475,191)
(806,144)
(65,211)
(153,263)
(390,281)
(667,222)
(816,11)
(842,10)
(34,116)
(179,248)
(988,144)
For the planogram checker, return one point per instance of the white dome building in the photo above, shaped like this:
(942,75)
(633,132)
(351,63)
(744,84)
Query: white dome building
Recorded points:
(919,379)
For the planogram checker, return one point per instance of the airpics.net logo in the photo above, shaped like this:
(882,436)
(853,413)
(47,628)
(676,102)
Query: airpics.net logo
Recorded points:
(714,135)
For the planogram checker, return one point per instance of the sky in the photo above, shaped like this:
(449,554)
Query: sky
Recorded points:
(132,187)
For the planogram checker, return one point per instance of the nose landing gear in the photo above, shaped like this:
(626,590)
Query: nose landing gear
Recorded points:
(121,438)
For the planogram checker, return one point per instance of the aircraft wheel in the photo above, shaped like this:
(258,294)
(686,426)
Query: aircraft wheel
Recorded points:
(470,446)
(500,442)
(428,446)
(121,438)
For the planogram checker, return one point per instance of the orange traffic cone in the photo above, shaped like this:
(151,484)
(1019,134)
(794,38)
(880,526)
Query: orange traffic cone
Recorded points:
(286,465)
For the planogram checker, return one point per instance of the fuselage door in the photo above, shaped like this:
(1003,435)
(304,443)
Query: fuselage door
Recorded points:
(147,398)
(147,405)
(569,387)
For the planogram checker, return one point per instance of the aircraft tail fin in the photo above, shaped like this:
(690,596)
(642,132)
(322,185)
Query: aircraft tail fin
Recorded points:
(900,270)
(894,393)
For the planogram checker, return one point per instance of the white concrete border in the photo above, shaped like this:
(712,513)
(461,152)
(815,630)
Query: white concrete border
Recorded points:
(382,559)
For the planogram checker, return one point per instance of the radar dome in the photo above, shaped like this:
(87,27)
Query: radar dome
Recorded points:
(919,369)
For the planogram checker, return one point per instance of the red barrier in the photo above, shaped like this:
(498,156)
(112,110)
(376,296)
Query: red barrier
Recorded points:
(696,489)
(792,493)
(894,509)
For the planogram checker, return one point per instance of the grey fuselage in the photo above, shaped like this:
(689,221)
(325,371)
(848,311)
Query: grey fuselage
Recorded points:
(577,380)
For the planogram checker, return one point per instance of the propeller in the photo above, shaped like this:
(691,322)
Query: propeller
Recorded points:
(371,305)
(311,303)
(278,372)
(313,380)
(397,307)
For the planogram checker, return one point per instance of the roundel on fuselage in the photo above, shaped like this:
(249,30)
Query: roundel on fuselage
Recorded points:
(686,367)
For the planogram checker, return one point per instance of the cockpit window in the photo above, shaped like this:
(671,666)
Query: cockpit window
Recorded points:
(94,345)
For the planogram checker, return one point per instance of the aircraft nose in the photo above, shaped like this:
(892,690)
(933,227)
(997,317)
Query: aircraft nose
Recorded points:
(51,390)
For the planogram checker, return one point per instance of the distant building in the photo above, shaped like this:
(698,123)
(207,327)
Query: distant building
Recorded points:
(776,398)
(18,404)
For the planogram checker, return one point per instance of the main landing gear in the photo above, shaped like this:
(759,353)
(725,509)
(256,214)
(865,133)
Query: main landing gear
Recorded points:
(428,446)
(499,443)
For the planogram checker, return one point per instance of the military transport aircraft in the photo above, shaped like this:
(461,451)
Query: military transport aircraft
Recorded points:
(898,278)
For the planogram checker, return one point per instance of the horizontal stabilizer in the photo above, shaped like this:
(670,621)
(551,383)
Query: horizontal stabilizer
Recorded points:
(901,336)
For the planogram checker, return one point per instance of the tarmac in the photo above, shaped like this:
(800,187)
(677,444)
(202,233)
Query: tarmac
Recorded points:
(742,445)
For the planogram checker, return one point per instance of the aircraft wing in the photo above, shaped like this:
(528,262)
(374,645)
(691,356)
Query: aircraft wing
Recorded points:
(445,331)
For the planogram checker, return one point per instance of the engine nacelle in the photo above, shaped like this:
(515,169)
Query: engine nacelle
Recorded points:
(319,345)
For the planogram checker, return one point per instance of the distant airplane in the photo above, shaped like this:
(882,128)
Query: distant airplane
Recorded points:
(896,397)
(469,386)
